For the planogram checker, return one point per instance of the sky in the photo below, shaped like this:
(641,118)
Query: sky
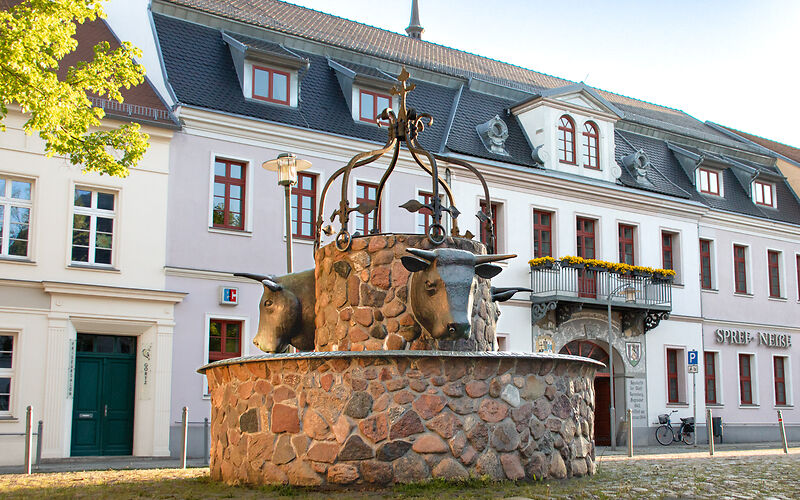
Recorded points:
(732,62)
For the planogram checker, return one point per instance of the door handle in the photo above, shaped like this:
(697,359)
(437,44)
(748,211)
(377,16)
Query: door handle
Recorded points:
(105,410)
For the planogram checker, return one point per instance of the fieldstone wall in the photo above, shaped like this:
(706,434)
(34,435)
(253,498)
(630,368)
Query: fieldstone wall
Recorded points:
(381,419)
(362,298)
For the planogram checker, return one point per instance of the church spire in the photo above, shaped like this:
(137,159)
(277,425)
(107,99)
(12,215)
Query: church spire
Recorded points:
(414,29)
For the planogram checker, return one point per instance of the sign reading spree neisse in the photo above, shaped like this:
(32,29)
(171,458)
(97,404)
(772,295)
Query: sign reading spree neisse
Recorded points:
(743,338)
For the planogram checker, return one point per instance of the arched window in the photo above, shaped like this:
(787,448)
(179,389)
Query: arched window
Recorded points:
(566,139)
(591,155)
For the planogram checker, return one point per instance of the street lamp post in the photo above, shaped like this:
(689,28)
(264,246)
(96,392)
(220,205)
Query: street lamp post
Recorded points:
(287,165)
(630,296)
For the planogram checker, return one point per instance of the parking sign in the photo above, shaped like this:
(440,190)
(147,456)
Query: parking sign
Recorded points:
(692,358)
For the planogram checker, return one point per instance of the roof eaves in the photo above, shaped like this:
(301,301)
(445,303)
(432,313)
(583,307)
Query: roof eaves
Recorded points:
(741,138)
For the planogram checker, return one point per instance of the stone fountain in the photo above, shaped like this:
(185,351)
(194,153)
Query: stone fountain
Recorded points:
(402,385)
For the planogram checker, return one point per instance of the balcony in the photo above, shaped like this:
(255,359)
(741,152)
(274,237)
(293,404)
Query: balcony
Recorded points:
(567,290)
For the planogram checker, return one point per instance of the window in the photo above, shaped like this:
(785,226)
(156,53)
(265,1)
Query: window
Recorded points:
(224,339)
(745,380)
(764,194)
(705,264)
(270,85)
(739,269)
(779,370)
(372,104)
(542,234)
(566,139)
(229,192)
(666,251)
(674,358)
(710,366)
(590,146)
(626,244)
(585,238)
(773,260)
(92,227)
(6,373)
(424,216)
(304,205)
(367,224)
(491,246)
(15,217)
(709,182)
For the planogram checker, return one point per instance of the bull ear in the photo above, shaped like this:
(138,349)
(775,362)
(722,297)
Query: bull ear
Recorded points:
(272,285)
(413,264)
(487,271)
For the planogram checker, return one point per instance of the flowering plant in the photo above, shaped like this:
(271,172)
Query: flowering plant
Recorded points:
(541,261)
(572,260)
(614,267)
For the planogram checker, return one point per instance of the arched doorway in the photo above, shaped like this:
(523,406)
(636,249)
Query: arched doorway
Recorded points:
(602,387)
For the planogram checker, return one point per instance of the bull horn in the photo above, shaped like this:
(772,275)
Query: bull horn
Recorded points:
(257,277)
(483,259)
(508,289)
(428,255)
(271,284)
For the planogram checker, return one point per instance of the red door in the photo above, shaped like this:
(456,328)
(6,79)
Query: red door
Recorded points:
(587,280)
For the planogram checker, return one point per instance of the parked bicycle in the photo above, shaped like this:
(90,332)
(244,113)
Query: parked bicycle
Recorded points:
(666,434)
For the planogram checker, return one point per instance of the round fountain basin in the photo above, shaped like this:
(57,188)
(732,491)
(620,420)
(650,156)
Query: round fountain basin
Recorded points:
(385,417)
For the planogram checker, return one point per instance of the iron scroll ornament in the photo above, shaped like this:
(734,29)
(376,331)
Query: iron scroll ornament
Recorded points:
(404,126)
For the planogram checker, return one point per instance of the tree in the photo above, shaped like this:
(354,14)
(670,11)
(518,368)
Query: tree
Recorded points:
(34,36)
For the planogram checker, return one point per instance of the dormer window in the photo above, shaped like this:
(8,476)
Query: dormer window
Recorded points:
(763,194)
(271,85)
(566,140)
(591,155)
(371,105)
(709,181)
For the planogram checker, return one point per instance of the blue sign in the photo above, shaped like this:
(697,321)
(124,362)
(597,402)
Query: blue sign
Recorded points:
(692,358)
(228,295)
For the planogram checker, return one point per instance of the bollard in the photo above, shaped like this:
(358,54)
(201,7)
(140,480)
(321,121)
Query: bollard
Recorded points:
(28,439)
(184,429)
(206,452)
(783,432)
(710,427)
(630,432)
(39,434)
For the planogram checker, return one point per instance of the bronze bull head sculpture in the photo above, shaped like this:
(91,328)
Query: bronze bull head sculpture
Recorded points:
(287,311)
(442,287)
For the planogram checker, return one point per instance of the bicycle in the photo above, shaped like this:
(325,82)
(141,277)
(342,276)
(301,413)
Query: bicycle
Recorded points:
(666,434)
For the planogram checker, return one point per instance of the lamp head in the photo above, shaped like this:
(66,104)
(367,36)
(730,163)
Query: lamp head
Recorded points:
(287,165)
(630,294)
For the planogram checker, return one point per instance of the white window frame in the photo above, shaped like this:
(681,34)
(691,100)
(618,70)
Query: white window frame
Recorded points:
(246,341)
(753,380)
(683,397)
(756,192)
(93,213)
(787,377)
(11,373)
(7,202)
(249,188)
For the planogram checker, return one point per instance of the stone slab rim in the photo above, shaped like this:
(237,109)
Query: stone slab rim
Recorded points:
(397,354)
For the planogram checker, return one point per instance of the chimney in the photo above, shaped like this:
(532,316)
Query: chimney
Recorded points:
(414,29)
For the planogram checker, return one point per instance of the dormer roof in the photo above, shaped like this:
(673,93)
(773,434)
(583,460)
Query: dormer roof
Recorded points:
(575,95)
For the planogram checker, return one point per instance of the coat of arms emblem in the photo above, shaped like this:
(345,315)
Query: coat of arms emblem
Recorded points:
(633,350)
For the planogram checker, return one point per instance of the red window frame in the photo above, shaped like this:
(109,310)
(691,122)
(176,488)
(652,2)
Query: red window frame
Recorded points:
(223,353)
(375,96)
(763,188)
(709,174)
(774,273)
(673,394)
(271,72)
(780,379)
(739,269)
(299,195)
(667,261)
(710,367)
(591,143)
(542,233)
(362,221)
(427,219)
(490,246)
(627,245)
(566,139)
(229,181)
(745,379)
(705,264)
(585,237)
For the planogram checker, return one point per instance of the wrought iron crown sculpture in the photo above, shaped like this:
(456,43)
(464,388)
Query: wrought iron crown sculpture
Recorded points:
(405,126)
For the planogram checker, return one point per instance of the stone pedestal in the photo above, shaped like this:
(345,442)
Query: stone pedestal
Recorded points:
(393,417)
(362,298)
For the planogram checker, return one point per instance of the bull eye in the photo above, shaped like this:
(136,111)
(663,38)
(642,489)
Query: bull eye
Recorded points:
(267,302)
(430,287)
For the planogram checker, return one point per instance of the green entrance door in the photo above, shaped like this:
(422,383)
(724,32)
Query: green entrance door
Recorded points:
(102,409)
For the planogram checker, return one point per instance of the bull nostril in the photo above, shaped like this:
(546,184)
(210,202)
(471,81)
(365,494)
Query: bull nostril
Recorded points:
(451,329)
